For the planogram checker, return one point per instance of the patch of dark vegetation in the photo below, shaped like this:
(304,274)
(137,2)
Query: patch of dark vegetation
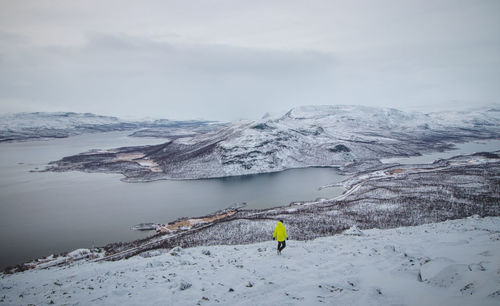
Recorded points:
(313,131)
(487,155)
(262,126)
(16,268)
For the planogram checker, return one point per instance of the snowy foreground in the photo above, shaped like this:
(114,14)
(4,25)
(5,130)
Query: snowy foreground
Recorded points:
(449,263)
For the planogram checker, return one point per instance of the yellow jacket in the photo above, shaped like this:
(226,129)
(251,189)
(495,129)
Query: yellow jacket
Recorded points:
(280,231)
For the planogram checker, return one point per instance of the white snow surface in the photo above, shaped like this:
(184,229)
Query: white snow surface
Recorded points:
(450,263)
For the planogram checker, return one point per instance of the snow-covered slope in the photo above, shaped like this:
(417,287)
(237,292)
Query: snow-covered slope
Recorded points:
(24,126)
(333,136)
(304,137)
(449,263)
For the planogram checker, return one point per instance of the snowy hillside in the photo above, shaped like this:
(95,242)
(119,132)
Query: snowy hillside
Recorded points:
(24,126)
(304,137)
(336,135)
(449,263)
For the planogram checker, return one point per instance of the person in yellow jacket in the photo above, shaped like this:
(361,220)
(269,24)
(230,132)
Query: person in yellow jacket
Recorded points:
(280,233)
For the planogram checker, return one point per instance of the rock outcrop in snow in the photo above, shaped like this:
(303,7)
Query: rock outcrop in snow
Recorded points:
(353,231)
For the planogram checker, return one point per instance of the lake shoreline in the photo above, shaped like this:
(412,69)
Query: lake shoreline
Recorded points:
(125,197)
(47,213)
(404,202)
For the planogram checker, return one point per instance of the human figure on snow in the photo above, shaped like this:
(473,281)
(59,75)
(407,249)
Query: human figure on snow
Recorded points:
(280,233)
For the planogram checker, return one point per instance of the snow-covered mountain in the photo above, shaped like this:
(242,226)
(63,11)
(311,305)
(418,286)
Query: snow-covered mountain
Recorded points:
(335,135)
(303,137)
(25,126)
(449,263)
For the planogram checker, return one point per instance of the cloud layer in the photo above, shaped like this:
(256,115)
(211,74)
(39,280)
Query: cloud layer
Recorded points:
(233,59)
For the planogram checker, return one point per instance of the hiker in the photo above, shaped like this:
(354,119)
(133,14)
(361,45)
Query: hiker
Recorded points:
(280,233)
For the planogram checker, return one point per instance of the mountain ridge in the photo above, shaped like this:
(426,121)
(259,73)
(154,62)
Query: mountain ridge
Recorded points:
(309,136)
(40,125)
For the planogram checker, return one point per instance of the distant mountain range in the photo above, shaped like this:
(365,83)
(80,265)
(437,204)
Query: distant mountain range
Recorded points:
(29,126)
(306,136)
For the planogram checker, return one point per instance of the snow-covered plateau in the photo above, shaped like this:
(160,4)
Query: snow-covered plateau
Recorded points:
(308,136)
(30,126)
(449,263)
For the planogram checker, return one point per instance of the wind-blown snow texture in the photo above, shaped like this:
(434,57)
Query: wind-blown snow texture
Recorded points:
(28,126)
(304,137)
(449,263)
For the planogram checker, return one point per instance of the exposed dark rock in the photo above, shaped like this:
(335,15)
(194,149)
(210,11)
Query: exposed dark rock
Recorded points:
(261,126)
(339,148)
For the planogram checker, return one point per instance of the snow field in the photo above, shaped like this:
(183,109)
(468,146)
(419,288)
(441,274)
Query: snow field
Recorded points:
(449,263)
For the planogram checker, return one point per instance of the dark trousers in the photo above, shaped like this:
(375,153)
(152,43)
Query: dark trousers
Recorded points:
(281,245)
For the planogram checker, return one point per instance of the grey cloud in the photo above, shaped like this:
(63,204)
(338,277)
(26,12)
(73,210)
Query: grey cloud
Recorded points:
(117,74)
(226,59)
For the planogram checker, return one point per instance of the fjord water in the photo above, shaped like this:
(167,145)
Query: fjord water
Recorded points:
(47,213)
(460,149)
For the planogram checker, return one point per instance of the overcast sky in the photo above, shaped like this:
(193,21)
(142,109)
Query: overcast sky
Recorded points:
(229,59)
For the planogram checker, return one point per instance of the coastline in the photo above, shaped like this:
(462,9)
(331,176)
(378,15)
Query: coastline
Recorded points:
(398,195)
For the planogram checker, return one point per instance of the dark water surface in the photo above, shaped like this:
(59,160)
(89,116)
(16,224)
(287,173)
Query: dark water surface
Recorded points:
(47,213)
(460,149)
